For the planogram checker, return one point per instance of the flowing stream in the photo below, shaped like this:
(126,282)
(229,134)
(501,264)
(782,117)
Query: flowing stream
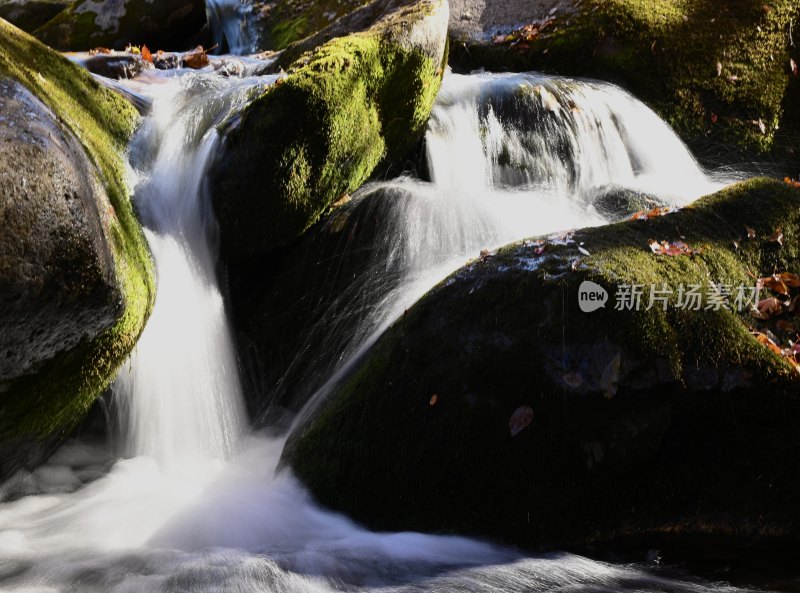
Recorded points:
(188,499)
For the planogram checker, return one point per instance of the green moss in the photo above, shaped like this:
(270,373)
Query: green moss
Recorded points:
(55,398)
(696,435)
(289,20)
(666,53)
(289,31)
(352,104)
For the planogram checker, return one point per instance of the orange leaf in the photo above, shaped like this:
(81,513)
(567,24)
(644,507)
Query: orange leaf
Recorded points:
(764,339)
(775,284)
(146,55)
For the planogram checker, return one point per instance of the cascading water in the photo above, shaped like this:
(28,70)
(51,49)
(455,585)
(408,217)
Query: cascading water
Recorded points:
(228,20)
(196,505)
(510,157)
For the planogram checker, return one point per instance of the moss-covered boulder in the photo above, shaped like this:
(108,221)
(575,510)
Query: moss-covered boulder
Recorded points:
(716,70)
(279,24)
(87,24)
(75,275)
(29,15)
(497,407)
(357,95)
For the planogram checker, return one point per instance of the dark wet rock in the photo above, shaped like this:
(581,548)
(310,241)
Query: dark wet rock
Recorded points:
(86,24)
(644,422)
(116,65)
(29,15)
(75,273)
(357,96)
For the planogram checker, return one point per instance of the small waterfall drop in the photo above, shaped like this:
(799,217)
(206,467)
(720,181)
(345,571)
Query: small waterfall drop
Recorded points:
(510,156)
(198,505)
(228,20)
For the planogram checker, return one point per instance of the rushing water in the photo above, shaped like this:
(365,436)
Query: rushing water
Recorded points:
(195,504)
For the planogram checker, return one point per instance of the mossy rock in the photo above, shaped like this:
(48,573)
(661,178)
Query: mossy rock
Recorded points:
(359,97)
(717,71)
(87,24)
(279,24)
(29,15)
(76,274)
(659,421)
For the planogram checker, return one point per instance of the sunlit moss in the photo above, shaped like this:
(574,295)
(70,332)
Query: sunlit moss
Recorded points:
(55,398)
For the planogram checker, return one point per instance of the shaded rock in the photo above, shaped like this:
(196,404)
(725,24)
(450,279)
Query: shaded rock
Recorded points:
(116,66)
(687,62)
(354,102)
(647,421)
(279,24)
(29,15)
(87,24)
(75,272)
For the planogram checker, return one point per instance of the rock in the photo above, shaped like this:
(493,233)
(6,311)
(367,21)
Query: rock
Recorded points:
(113,24)
(688,63)
(279,24)
(297,313)
(357,95)
(29,15)
(116,65)
(623,440)
(76,276)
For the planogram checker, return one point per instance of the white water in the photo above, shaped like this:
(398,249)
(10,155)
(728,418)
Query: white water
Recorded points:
(196,504)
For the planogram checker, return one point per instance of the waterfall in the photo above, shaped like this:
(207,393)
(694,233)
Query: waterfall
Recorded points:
(227,19)
(196,504)
(510,156)
(180,397)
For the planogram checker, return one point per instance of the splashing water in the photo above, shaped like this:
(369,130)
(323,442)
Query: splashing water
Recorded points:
(197,505)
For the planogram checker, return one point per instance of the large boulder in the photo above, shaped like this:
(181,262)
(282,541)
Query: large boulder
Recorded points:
(688,60)
(497,407)
(357,94)
(279,24)
(29,15)
(88,24)
(76,276)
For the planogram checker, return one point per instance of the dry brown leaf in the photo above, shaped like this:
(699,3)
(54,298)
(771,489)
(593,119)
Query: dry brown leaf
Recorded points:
(751,232)
(196,59)
(520,420)
(434,400)
(768,308)
(777,237)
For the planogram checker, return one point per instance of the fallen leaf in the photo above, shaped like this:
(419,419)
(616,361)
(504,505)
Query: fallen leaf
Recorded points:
(434,400)
(584,251)
(768,308)
(520,420)
(609,381)
(793,66)
(672,249)
(196,59)
(484,255)
(775,284)
(99,50)
(790,280)
(648,214)
(714,118)
(751,233)
(791,182)
(146,55)
(766,341)
(719,68)
(777,237)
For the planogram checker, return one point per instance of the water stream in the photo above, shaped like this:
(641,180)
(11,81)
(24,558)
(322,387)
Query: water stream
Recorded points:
(193,503)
